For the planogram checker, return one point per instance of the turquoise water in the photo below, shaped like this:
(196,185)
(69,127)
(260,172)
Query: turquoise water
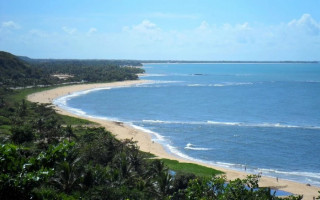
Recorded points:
(262,117)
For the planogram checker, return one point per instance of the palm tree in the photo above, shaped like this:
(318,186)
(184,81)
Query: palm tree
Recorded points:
(162,180)
(69,132)
(68,177)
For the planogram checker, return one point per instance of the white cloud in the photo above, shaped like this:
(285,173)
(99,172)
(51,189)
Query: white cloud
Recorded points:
(244,26)
(145,30)
(68,30)
(91,31)
(204,26)
(38,33)
(298,39)
(145,27)
(307,23)
(10,25)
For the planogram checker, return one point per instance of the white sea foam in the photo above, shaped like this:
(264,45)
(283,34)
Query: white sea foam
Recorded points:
(312,81)
(197,85)
(220,84)
(150,121)
(159,138)
(154,75)
(301,176)
(194,147)
(225,123)
(230,84)
(292,173)
(154,121)
(162,82)
(63,100)
(241,124)
(271,125)
(156,83)
(305,177)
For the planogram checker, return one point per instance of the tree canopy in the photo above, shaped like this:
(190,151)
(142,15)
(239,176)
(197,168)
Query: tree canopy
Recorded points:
(22,72)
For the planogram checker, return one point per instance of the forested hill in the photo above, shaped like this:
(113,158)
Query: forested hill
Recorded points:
(14,72)
(89,70)
(82,62)
(23,71)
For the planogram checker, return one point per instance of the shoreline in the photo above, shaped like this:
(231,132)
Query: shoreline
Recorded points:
(145,143)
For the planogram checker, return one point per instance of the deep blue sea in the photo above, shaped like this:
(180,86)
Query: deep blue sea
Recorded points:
(262,117)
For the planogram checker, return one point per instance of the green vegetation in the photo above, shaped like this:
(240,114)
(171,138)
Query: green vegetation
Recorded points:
(23,72)
(14,72)
(44,155)
(89,70)
(197,170)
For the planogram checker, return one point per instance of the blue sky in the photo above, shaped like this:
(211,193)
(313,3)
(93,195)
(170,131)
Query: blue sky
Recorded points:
(166,29)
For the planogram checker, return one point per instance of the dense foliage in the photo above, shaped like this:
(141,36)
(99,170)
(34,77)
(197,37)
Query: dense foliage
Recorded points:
(14,72)
(22,71)
(91,70)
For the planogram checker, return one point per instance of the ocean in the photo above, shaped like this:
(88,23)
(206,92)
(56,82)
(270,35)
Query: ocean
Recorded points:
(264,118)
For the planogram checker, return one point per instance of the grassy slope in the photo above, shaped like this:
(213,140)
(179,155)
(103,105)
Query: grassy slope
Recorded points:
(191,168)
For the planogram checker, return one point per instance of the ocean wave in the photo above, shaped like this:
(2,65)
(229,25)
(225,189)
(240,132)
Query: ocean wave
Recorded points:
(154,75)
(159,138)
(303,177)
(163,82)
(193,147)
(150,121)
(306,177)
(230,84)
(313,175)
(197,85)
(156,83)
(300,176)
(225,123)
(80,112)
(175,151)
(311,81)
(65,98)
(271,125)
(154,121)
(220,84)
(145,67)
(62,101)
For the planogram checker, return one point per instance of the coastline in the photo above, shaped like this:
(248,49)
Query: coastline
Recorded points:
(144,141)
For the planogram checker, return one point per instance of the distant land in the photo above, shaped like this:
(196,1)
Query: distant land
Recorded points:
(127,61)
(192,61)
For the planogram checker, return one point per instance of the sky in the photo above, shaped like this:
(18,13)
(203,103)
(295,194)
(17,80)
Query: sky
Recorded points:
(259,30)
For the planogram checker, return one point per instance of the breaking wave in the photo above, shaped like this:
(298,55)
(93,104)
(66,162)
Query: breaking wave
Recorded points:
(194,147)
(220,84)
(241,124)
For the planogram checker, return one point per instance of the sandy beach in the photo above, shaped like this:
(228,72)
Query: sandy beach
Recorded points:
(144,141)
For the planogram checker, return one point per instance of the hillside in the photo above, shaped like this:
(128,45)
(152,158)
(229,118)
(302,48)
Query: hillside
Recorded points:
(15,73)
(23,71)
